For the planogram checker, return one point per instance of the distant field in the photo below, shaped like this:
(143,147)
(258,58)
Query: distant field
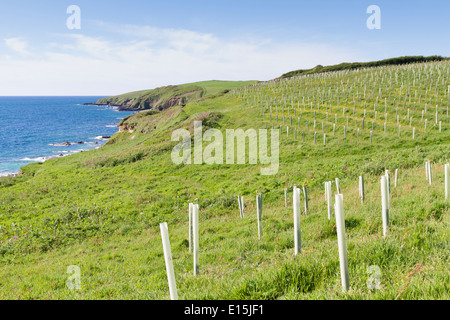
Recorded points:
(168,96)
(216,86)
(359,65)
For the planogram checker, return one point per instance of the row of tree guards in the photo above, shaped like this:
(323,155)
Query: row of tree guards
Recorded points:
(419,95)
(339,215)
(345,130)
(409,91)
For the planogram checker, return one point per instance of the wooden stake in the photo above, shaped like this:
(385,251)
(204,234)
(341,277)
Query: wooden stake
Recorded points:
(329,197)
(285,197)
(396,178)
(338,189)
(241,206)
(297,229)
(342,245)
(195,237)
(191,209)
(259,214)
(388,183)
(447,178)
(361,188)
(305,194)
(384,204)
(168,260)
(430,176)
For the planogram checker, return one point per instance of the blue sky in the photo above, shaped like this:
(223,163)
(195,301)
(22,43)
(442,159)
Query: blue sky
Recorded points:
(132,45)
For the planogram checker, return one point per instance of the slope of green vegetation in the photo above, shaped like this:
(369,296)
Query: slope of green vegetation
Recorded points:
(100,210)
(168,96)
(359,65)
(214,87)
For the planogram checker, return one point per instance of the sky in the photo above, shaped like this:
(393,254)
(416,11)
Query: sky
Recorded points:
(122,46)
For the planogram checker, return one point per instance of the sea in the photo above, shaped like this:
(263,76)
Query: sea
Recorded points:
(35,129)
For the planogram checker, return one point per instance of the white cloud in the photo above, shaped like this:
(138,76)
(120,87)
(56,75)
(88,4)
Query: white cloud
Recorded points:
(17,44)
(150,57)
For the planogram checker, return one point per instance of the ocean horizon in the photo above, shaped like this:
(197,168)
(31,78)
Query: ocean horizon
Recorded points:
(38,128)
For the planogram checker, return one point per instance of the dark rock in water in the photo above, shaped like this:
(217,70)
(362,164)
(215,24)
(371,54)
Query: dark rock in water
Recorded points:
(106,137)
(94,104)
(95,142)
(61,155)
(80,142)
(64,144)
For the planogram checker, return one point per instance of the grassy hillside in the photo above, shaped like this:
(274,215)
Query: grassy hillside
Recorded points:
(165,97)
(100,210)
(359,65)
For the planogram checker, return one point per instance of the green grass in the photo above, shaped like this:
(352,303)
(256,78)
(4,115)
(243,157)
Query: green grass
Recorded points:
(359,65)
(100,210)
(234,264)
(216,86)
(168,96)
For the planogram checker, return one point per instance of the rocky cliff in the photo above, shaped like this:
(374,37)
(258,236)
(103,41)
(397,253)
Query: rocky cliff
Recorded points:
(156,99)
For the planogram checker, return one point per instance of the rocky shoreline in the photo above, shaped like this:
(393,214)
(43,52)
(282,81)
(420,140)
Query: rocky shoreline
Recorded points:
(11,175)
(67,143)
(62,144)
(119,107)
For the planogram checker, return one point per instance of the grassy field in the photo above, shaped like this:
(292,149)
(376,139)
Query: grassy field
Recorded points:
(360,65)
(100,210)
(168,96)
(216,86)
